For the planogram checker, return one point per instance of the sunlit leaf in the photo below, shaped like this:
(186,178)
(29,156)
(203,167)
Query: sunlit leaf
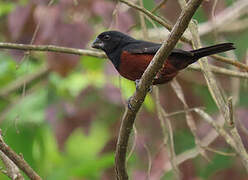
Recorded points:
(6,7)
(92,63)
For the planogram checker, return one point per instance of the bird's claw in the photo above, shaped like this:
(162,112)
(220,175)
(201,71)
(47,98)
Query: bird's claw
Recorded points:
(137,81)
(129,104)
(150,89)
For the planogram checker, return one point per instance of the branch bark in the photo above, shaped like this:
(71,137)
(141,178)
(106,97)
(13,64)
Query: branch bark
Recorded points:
(12,171)
(18,160)
(51,48)
(155,18)
(146,80)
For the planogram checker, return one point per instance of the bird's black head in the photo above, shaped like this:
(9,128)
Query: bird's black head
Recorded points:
(109,41)
(112,42)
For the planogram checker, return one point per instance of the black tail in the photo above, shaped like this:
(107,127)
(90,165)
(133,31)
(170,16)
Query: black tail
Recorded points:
(202,52)
(206,51)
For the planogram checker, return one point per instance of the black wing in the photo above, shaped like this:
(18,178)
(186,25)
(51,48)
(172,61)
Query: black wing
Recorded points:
(145,47)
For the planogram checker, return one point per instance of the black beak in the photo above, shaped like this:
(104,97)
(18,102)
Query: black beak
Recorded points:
(98,44)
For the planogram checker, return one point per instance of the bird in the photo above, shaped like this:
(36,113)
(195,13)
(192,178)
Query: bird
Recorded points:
(131,57)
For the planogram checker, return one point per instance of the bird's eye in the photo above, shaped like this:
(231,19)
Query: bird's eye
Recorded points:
(106,37)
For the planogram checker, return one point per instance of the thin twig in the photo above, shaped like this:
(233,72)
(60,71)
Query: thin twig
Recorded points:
(27,54)
(160,4)
(135,134)
(235,135)
(157,7)
(219,152)
(231,61)
(12,171)
(226,17)
(52,48)
(235,83)
(18,160)
(216,93)
(189,118)
(154,17)
(182,111)
(220,71)
(234,141)
(149,157)
(15,85)
(143,22)
(230,107)
(167,133)
(192,153)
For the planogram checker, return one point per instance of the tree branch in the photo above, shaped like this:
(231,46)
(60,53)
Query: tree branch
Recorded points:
(230,61)
(12,171)
(220,71)
(155,18)
(234,141)
(146,80)
(52,48)
(18,160)
(167,131)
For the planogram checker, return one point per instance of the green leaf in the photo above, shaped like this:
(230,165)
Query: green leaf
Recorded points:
(149,103)
(183,140)
(127,87)
(83,153)
(148,4)
(92,169)
(208,101)
(218,163)
(200,15)
(8,67)
(6,7)
(92,63)
(81,146)
(30,109)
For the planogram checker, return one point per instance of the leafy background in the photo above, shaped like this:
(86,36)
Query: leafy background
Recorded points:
(66,122)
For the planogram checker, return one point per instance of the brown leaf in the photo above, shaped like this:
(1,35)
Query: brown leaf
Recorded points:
(159,164)
(21,23)
(21,26)
(58,32)
(112,94)
(122,20)
(104,10)
(241,118)
(65,117)
(62,63)
(209,6)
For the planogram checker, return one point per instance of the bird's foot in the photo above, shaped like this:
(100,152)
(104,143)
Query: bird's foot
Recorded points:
(129,104)
(137,81)
(150,89)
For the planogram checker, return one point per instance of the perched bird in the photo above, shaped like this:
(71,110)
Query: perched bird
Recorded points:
(131,57)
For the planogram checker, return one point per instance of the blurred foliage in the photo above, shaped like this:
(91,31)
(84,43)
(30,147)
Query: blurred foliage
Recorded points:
(66,124)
